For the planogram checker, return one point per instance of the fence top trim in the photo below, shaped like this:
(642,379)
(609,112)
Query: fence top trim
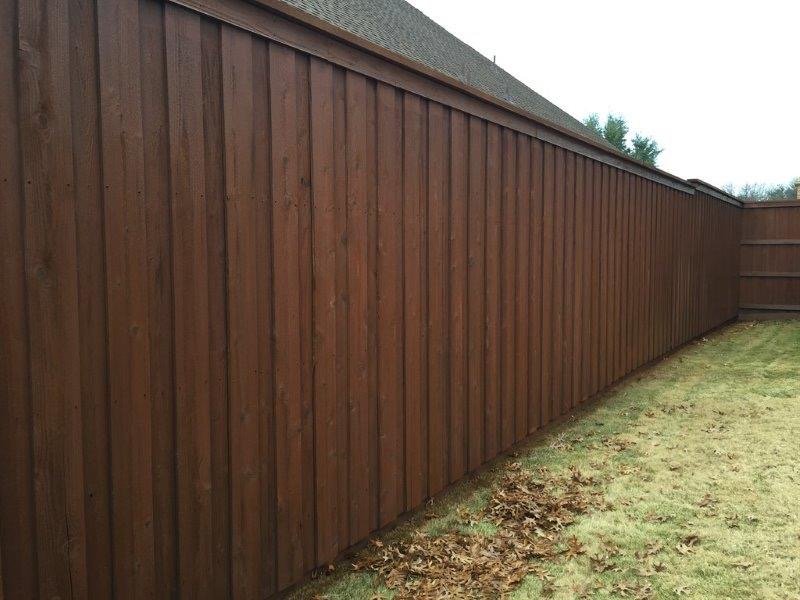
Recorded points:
(714,191)
(558,135)
(771,204)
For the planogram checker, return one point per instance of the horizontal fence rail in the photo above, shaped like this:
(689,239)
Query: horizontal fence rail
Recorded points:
(258,304)
(770,257)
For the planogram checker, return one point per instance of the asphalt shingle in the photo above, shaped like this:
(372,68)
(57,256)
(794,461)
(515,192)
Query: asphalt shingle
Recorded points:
(401,28)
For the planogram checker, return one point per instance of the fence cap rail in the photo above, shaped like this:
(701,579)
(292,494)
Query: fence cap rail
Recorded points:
(771,204)
(714,191)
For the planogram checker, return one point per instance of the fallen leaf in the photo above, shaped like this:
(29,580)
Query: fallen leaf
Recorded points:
(574,548)
(707,500)
(687,544)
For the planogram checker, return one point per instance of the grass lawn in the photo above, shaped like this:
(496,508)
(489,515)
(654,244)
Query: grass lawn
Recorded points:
(681,482)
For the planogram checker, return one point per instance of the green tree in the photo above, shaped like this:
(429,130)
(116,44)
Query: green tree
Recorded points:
(645,149)
(615,131)
(593,123)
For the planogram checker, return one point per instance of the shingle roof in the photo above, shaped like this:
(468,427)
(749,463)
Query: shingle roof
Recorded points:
(401,28)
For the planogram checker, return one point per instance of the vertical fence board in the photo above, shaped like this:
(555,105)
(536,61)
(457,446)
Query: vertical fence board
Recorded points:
(508,293)
(286,310)
(92,291)
(305,260)
(597,208)
(190,282)
(244,209)
(588,257)
(457,290)
(415,282)
(548,237)
(155,130)
(438,201)
(211,78)
(476,284)
(535,287)
(569,280)
(557,347)
(17,508)
(326,308)
(390,309)
(578,295)
(493,249)
(523,212)
(126,279)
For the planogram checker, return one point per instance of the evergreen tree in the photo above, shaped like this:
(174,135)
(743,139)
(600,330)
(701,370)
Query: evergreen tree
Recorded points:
(615,132)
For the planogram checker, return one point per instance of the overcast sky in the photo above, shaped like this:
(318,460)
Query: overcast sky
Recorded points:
(715,83)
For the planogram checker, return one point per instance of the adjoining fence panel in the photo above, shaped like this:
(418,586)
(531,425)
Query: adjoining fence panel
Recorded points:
(769,278)
(258,304)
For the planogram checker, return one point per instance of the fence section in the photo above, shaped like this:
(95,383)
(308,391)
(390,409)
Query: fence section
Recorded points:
(257,304)
(770,257)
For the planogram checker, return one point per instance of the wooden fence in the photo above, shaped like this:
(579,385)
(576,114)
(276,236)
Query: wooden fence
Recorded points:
(770,261)
(264,291)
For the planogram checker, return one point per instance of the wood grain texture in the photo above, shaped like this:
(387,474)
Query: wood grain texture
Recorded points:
(390,306)
(508,305)
(127,334)
(17,510)
(476,290)
(286,308)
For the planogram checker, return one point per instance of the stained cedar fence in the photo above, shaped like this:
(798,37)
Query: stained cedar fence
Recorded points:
(770,259)
(264,291)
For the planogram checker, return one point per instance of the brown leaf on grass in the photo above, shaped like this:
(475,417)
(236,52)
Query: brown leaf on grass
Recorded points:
(574,548)
(690,540)
(682,590)
(529,514)
(707,500)
(687,544)
(650,549)
(618,444)
(632,589)
(650,568)
(560,442)
(601,563)
(654,518)
(644,592)
(579,477)
(732,521)
(628,469)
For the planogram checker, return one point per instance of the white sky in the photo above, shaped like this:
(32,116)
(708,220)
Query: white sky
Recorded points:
(715,83)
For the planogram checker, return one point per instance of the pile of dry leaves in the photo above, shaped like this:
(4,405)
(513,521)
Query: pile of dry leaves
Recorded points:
(529,514)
